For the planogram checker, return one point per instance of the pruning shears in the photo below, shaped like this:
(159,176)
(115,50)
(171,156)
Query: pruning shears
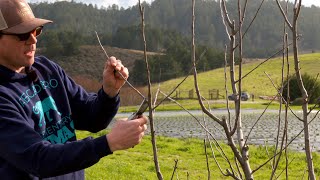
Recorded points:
(141,110)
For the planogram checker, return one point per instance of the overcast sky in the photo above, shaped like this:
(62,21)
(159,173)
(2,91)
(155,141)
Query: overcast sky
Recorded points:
(105,3)
(127,3)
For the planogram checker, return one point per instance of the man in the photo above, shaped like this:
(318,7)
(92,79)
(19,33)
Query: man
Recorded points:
(40,107)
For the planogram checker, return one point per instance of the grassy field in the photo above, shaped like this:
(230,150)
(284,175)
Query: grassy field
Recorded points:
(194,105)
(256,83)
(137,163)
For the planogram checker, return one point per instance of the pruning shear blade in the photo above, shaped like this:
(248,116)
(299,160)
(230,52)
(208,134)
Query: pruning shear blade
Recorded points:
(141,110)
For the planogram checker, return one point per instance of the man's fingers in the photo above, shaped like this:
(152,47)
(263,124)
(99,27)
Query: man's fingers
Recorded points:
(144,127)
(124,72)
(143,120)
(117,65)
(112,60)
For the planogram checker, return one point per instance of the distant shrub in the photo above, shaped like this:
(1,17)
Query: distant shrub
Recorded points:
(298,101)
(311,84)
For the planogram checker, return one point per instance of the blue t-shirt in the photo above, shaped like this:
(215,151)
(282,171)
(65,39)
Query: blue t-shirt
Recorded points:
(38,118)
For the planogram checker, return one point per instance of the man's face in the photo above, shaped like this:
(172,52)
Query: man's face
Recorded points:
(16,54)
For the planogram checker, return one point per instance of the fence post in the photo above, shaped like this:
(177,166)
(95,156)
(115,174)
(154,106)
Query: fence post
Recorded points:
(191,94)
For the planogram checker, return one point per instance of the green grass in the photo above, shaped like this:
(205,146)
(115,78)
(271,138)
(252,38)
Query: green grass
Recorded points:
(194,105)
(256,83)
(137,163)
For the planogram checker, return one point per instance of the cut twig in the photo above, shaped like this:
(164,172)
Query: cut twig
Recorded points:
(101,45)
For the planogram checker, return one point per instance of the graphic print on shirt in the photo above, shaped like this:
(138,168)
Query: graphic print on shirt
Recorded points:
(44,107)
(53,125)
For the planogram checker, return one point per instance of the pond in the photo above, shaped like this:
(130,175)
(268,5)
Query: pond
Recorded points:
(181,125)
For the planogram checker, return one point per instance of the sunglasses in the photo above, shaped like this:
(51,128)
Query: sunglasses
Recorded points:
(25,36)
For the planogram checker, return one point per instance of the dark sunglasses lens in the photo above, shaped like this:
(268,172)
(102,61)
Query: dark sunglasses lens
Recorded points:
(36,32)
(23,37)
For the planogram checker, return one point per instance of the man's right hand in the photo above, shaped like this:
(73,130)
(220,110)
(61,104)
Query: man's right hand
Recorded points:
(126,134)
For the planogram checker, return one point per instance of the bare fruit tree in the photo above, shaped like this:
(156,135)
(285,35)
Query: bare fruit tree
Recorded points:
(293,26)
(239,167)
(241,151)
(234,31)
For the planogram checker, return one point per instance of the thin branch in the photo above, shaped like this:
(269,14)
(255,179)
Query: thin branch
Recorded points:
(237,165)
(267,151)
(174,168)
(225,14)
(284,15)
(193,57)
(156,96)
(285,147)
(220,150)
(263,63)
(285,168)
(207,159)
(225,85)
(117,71)
(199,122)
(218,147)
(318,112)
(183,80)
(101,45)
(311,92)
(255,123)
(285,135)
(255,16)
(151,120)
(279,93)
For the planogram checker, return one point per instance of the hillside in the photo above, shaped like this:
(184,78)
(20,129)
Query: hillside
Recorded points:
(86,67)
(89,62)
(256,83)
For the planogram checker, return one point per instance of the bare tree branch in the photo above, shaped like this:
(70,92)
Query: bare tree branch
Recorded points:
(272,56)
(303,91)
(174,168)
(225,86)
(118,72)
(183,80)
(284,15)
(285,147)
(255,123)
(255,16)
(153,139)
(207,159)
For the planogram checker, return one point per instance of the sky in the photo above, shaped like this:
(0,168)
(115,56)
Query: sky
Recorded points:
(105,3)
(128,3)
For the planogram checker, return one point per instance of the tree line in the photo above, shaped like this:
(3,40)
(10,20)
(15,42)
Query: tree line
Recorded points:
(262,39)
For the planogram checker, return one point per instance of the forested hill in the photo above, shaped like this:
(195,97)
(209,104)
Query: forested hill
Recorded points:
(120,27)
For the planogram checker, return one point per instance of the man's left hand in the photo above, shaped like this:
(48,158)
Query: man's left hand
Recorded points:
(112,80)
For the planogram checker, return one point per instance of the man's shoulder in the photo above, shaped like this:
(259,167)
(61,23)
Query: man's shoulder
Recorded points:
(45,65)
(42,60)
(45,62)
